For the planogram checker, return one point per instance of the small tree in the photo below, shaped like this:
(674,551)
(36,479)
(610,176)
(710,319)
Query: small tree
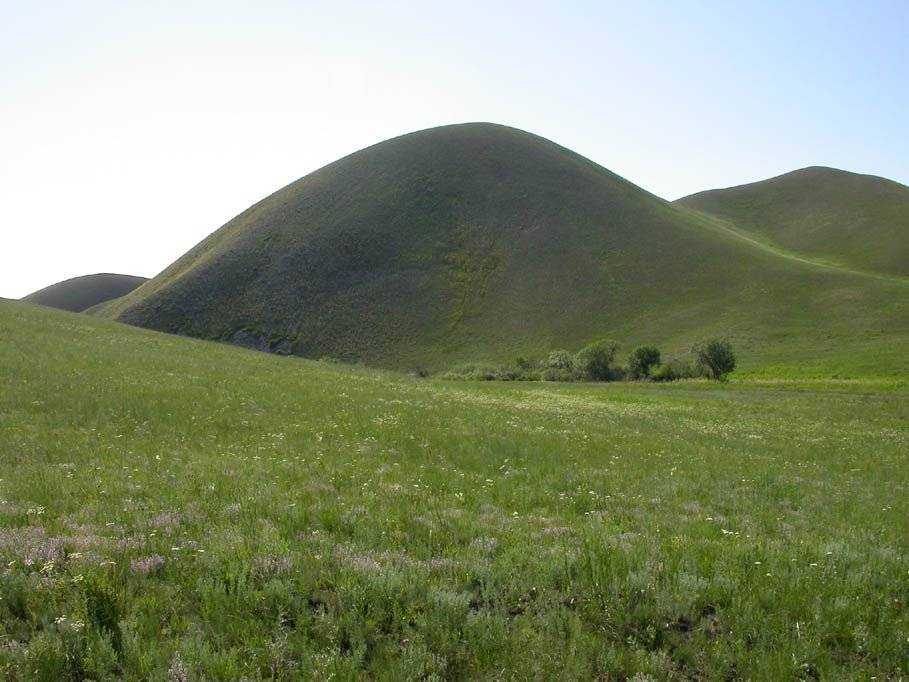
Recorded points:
(642,360)
(595,360)
(717,358)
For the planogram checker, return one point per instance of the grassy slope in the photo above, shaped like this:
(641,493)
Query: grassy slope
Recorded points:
(481,242)
(317,519)
(80,293)
(859,221)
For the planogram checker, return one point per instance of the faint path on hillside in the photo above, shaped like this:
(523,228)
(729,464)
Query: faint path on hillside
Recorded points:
(728,227)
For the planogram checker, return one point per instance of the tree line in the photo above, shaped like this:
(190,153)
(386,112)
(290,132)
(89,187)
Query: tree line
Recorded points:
(713,359)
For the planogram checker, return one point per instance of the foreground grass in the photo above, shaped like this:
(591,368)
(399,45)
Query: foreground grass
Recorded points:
(176,508)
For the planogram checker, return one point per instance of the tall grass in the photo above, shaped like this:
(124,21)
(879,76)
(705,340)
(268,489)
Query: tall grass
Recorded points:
(174,508)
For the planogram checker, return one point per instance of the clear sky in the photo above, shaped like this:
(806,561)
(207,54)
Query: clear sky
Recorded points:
(131,130)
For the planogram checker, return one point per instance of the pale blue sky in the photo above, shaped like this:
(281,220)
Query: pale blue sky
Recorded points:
(130,130)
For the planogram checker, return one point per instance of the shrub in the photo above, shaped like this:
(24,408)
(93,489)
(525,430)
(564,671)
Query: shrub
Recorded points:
(555,374)
(559,366)
(676,369)
(531,373)
(559,359)
(617,373)
(642,360)
(594,361)
(663,372)
(717,358)
(523,363)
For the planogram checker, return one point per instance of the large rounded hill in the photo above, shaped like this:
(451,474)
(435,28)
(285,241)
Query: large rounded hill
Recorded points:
(480,241)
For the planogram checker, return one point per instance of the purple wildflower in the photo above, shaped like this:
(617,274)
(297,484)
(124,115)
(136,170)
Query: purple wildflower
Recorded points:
(146,565)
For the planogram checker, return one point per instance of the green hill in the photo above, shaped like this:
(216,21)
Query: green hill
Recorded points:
(858,221)
(482,242)
(176,509)
(80,293)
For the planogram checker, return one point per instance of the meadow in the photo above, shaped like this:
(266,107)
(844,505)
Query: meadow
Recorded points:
(178,509)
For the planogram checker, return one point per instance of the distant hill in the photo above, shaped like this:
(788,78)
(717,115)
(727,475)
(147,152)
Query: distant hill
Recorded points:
(859,221)
(480,241)
(80,293)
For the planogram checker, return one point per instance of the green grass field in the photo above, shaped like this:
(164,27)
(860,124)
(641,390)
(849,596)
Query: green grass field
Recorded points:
(172,508)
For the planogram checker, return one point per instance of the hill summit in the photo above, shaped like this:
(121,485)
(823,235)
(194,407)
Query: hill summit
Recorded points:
(80,293)
(474,241)
(859,221)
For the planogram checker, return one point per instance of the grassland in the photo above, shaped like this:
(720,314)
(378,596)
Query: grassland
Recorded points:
(176,508)
(481,243)
(856,221)
(81,293)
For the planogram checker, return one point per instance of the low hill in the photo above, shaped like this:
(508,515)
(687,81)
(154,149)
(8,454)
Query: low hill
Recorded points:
(80,293)
(859,221)
(480,241)
(176,509)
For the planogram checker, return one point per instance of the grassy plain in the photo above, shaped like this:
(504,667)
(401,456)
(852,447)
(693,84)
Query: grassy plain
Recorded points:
(176,508)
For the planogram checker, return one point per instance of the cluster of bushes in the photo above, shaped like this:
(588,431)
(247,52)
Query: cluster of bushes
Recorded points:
(714,359)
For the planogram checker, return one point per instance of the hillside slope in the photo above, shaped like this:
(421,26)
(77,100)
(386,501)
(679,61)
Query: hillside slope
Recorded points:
(168,505)
(480,241)
(80,293)
(860,221)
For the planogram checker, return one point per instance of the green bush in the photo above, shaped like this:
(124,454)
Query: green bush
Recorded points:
(523,363)
(717,358)
(663,372)
(594,361)
(560,359)
(556,374)
(642,360)
(559,366)
(677,368)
